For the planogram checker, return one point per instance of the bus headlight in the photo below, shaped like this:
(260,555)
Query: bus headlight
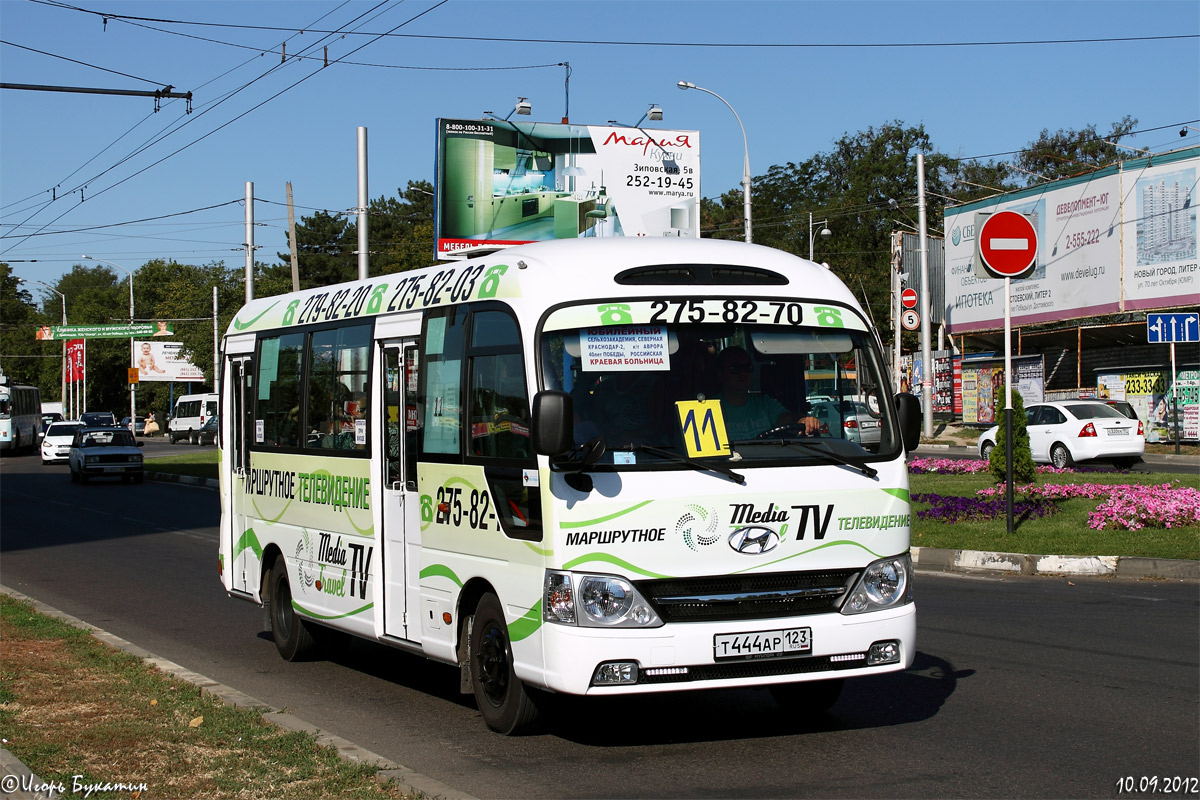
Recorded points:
(595,601)
(884,584)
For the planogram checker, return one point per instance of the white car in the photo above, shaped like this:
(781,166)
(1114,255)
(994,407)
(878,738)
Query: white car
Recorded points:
(56,444)
(105,452)
(1073,431)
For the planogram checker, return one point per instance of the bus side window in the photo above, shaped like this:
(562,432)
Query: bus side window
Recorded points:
(441,430)
(280,361)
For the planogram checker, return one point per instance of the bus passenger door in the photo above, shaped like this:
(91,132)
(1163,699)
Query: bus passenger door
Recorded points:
(400,516)
(237,452)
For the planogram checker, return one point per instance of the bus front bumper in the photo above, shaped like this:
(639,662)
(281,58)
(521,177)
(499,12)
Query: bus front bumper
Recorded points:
(682,656)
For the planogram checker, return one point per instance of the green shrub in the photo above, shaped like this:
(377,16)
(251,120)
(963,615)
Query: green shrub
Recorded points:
(1023,468)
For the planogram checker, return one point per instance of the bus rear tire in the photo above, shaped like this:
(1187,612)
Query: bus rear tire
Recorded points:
(502,699)
(810,697)
(293,639)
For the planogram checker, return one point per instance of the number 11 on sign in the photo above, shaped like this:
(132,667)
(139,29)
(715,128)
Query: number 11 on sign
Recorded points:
(703,428)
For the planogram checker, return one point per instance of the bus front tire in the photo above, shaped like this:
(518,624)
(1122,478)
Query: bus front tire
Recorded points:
(502,699)
(292,637)
(810,697)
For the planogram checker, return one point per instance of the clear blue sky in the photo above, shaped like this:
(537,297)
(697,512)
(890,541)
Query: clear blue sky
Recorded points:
(298,122)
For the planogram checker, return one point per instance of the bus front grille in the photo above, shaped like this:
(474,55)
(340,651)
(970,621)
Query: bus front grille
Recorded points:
(738,597)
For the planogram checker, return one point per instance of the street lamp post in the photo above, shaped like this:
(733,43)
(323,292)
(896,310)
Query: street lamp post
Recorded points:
(745,143)
(132,354)
(62,396)
(825,233)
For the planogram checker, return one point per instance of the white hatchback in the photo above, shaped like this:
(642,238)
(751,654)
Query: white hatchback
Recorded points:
(1072,431)
(56,444)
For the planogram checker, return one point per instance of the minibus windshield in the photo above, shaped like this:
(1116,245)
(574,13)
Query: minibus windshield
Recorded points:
(786,393)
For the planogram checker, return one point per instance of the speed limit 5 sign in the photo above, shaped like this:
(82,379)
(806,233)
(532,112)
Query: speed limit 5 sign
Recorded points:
(910,319)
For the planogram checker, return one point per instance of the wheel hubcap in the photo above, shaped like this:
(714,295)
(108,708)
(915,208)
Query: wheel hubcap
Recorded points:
(491,664)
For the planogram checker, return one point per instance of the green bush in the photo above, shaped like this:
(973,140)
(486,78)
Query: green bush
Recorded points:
(1023,468)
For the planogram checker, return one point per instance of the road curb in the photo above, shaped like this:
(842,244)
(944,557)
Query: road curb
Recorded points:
(386,770)
(190,480)
(945,560)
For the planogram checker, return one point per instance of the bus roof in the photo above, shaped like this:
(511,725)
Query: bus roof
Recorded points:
(535,277)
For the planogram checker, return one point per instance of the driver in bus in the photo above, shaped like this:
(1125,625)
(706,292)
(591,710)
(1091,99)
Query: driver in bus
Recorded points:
(747,415)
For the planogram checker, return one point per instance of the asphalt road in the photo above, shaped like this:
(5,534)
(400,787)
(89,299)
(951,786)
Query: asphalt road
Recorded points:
(1023,687)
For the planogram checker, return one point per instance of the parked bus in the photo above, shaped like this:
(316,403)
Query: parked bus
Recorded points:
(20,417)
(577,467)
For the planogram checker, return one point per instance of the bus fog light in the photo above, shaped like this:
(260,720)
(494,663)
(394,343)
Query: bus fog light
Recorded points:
(615,672)
(883,653)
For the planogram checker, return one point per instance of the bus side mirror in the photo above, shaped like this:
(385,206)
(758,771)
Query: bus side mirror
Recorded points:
(553,423)
(908,409)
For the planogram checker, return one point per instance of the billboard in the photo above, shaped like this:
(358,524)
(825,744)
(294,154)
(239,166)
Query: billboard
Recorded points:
(122,330)
(1118,239)
(503,183)
(162,360)
(983,386)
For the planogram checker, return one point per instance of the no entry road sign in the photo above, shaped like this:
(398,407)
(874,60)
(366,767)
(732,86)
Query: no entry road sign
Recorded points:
(1006,244)
(909,298)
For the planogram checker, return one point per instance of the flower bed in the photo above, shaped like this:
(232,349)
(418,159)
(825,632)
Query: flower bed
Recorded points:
(1131,507)
(954,508)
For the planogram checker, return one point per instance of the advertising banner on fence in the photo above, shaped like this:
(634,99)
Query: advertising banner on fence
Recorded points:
(505,183)
(983,386)
(162,361)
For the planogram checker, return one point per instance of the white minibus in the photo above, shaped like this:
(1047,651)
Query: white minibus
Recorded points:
(191,412)
(582,467)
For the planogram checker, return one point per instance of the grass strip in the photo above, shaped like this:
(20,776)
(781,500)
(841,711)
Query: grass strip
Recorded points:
(74,709)
(1065,533)
(201,464)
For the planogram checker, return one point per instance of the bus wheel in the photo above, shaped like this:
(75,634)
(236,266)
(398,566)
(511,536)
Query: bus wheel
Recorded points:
(811,697)
(502,699)
(292,637)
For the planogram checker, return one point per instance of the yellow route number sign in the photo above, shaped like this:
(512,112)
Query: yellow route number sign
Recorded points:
(703,428)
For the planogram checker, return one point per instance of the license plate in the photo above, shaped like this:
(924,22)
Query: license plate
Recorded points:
(113,469)
(762,644)
(1118,431)
(870,424)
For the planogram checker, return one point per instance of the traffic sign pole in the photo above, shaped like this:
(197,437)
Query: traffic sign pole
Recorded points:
(1008,409)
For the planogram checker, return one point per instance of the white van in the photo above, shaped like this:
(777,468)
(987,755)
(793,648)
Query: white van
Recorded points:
(191,412)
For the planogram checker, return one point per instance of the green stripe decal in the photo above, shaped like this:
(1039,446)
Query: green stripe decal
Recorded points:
(588,522)
(241,326)
(898,493)
(315,615)
(436,570)
(547,552)
(838,543)
(527,625)
(611,559)
(249,541)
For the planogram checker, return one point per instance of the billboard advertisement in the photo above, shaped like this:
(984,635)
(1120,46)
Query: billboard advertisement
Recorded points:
(1160,244)
(162,360)
(1078,268)
(1118,239)
(503,183)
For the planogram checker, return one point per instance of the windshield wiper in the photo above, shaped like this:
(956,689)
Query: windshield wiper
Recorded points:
(813,447)
(703,466)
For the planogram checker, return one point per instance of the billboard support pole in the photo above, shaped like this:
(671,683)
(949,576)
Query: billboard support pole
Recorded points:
(1175,396)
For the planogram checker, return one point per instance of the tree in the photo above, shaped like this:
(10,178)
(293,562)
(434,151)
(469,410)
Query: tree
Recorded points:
(1023,469)
(21,354)
(1066,153)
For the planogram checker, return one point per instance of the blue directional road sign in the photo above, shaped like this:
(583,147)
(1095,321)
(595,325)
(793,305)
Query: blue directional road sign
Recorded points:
(1177,327)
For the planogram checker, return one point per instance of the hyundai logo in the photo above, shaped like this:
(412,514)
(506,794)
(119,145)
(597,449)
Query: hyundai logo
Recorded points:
(753,540)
